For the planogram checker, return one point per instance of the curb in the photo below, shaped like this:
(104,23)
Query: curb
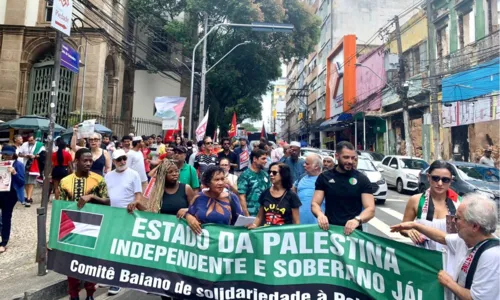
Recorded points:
(54,291)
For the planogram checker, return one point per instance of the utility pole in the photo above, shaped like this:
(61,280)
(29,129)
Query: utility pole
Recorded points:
(203,71)
(431,39)
(42,211)
(403,91)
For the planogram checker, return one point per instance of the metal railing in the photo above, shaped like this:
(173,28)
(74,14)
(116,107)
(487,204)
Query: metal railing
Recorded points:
(119,125)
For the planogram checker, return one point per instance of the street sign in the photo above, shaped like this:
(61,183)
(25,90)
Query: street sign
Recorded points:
(70,58)
(61,16)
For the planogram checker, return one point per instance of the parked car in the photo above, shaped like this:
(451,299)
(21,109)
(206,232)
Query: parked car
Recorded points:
(373,156)
(379,185)
(469,177)
(402,171)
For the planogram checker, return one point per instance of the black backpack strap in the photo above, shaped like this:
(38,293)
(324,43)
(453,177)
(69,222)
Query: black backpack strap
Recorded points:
(472,269)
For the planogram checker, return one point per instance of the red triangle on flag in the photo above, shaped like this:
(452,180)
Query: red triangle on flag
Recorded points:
(66,225)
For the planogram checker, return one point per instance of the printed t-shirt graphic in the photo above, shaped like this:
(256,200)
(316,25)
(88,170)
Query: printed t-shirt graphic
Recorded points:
(79,229)
(73,187)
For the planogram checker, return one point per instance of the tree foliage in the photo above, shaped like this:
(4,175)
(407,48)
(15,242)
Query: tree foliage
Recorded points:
(240,80)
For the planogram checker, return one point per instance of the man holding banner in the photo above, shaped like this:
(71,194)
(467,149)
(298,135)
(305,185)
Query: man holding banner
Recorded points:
(82,186)
(347,193)
(474,250)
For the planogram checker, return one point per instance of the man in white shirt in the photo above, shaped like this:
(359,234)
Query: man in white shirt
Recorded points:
(124,187)
(474,250)
(135,160)
(18,142)
(486,159)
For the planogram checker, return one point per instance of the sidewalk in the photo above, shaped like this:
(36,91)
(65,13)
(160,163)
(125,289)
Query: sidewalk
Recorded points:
(18,269)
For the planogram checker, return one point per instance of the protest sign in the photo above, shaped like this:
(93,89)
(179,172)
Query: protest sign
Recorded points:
(5,175)
(160,254)
(86,129)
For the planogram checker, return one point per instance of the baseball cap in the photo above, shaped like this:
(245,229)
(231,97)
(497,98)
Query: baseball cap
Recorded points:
(8,150)
(180,149)
(119,153)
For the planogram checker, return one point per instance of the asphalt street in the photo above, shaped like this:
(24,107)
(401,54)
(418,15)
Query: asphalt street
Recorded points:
(386,215)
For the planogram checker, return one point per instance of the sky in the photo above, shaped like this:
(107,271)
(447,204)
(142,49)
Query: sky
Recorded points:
(266,107)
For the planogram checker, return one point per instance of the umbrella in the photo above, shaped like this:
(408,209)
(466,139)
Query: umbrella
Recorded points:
(97,128)
(31,122)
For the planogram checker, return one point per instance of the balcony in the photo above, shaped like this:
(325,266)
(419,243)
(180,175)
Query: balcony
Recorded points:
(471,55)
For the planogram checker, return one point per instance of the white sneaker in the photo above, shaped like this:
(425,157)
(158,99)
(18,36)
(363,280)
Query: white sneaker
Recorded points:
(102,285)
(114,290)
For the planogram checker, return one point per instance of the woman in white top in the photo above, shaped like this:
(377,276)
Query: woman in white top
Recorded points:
(231,179)
(431,207)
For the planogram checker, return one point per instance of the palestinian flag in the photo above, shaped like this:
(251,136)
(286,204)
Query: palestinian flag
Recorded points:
(79,229)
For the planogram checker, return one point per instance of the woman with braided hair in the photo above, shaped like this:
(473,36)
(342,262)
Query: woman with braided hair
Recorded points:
(168,196)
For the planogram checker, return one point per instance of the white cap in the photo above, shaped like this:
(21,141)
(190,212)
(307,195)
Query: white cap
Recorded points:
(119,153)
(137,138)
(295,143)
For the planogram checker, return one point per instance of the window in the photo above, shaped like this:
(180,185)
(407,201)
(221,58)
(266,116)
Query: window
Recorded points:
(49,4)
(386,161)
(442,42)
(465,34)
(493,16)
(394,161)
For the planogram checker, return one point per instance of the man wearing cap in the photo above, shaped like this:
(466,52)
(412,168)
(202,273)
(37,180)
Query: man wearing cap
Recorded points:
(486,159)
(135,160)
(187,173)
(295,163)
(124,187)
(243,154)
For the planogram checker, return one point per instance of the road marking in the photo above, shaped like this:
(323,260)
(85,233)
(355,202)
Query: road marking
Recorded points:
(392,212)
(395,200)
(386,229)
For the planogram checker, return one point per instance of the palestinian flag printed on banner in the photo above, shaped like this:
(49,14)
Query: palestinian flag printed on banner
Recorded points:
(80,229)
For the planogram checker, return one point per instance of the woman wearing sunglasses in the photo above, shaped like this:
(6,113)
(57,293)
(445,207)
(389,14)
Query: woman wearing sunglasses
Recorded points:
(279,205)
(101,158)
(431,207)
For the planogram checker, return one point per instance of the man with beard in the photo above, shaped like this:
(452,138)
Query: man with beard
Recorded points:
(295,163)
(328,163)
(347,193)
(124,187)
(227,153)
(252,182)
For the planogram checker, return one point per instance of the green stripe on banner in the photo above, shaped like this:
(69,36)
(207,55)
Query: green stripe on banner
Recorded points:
(79,240)
(149,251)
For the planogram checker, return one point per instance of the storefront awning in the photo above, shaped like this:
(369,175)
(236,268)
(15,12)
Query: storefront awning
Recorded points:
(343,117)
(477,81)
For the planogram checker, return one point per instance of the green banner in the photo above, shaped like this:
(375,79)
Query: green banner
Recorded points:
(160,254)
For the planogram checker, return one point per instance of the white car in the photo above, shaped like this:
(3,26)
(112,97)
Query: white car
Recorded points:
(379,185)
(402,171)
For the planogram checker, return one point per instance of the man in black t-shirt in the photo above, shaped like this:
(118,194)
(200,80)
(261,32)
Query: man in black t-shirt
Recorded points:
(346,192)
(227,153)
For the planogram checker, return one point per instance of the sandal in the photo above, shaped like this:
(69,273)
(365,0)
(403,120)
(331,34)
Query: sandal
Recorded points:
(3,249)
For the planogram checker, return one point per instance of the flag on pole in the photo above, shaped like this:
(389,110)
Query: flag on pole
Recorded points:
(232,130)
(202,128)
(215,136)
(263,132)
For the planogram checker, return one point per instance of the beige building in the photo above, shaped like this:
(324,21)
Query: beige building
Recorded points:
(105,32)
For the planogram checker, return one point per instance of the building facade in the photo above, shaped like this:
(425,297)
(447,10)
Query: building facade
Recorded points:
(116,83)
(307,79)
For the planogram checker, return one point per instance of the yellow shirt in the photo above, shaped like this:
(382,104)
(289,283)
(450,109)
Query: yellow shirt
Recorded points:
(73,187)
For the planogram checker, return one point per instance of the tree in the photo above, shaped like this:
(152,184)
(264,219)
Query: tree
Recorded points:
(237,83)
(248,127)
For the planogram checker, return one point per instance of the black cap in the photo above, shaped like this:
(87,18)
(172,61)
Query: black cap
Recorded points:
(180,149)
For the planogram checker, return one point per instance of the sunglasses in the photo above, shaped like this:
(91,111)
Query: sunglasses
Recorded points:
(274,173)
(443,179)
(94,140)
(226,144)
(121,158)
(208,143)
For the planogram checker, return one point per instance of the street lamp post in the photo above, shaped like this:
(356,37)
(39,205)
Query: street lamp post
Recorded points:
(254,26)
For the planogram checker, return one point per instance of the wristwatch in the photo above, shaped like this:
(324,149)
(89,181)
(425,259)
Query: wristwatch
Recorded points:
(358,218)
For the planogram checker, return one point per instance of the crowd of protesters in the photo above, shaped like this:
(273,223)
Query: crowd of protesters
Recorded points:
(207,182)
